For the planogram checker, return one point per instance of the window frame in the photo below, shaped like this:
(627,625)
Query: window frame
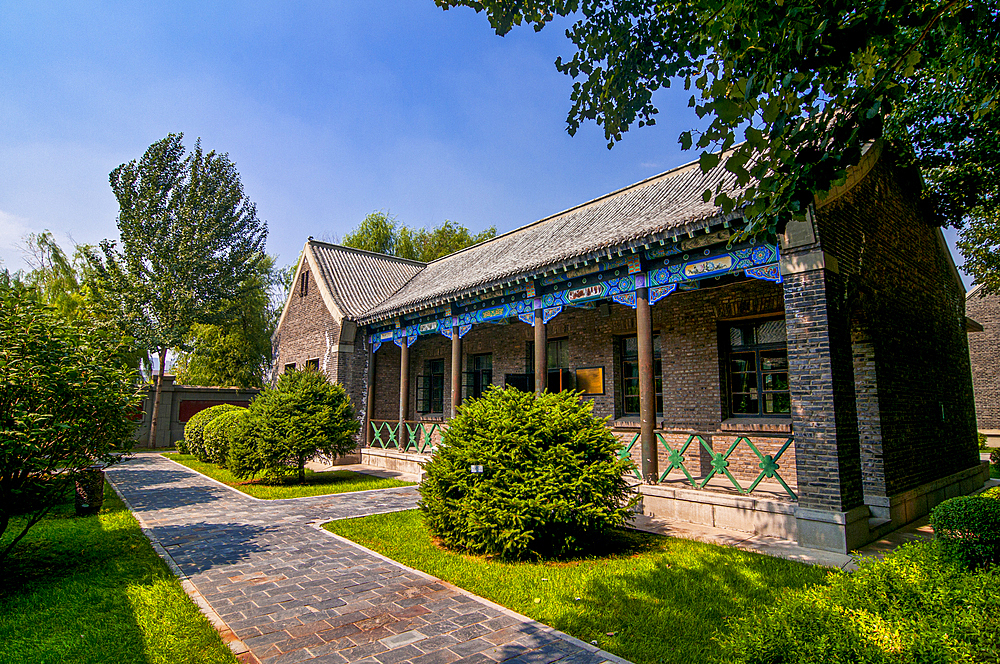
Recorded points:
(657,374)
(758,350)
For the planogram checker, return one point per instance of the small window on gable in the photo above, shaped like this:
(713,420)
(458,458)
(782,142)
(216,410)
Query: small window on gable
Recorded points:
(303,284)
(312,365)
(289,367)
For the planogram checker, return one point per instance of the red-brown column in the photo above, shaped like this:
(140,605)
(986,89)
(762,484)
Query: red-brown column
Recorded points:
(647,393)
(456,370)
(370,400)
(541,373)
(404,391)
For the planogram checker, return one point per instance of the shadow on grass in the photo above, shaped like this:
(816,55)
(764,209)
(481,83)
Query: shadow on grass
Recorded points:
(91,589)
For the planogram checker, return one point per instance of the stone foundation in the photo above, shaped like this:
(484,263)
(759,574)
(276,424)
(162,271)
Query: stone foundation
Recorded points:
(392,460)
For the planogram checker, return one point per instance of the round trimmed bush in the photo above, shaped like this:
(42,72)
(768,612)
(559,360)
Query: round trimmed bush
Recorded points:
(968,530)
(219,433)
(194,430)
(552,482)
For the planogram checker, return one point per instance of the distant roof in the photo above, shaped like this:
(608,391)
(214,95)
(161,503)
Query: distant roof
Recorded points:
(667,204)
(359,280)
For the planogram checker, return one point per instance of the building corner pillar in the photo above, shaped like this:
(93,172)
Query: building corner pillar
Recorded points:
(366,440)
(404,390)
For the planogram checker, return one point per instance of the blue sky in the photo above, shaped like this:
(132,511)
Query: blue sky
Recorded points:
(330,110)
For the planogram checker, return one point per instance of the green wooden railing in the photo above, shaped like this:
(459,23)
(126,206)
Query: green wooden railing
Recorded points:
(676,458)
(417,436)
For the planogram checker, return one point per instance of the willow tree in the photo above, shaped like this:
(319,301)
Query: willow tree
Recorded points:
(190,244)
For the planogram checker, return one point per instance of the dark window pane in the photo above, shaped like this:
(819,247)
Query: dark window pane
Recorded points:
(777,403)
(776,381)
(736,337)
(770,362)
(745,404)
(630,348)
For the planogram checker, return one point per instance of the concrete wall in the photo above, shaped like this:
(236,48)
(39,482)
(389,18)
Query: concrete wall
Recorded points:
(177,404)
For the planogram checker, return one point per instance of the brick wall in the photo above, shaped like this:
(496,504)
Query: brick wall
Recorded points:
(984,351)
(898,286)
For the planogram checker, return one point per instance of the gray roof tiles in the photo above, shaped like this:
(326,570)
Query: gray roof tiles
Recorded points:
(359,280)
(670,202)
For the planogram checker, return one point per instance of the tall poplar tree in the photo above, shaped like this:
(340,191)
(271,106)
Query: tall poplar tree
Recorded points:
(191,244)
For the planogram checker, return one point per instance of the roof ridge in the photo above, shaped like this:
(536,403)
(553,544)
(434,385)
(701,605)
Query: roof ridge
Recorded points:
(378,254)
(677,170)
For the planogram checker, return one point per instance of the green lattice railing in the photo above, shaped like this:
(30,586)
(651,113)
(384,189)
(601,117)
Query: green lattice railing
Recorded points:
(417,437)
(768,464)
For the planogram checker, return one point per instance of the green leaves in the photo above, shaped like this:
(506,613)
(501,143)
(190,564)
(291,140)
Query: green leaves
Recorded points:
(66,401)
(808,84)
(552,480)
(387,235)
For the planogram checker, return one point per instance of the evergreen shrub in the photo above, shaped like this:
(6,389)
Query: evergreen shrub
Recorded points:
(302,416)
(995,457)
(913,606)
(552,482)
(219,432)
(968,530)
(194,430)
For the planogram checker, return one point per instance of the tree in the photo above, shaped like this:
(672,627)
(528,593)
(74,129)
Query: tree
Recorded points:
(66,400)
(807,84)
(191,244)
(303,415)
(238,352)
(384,234)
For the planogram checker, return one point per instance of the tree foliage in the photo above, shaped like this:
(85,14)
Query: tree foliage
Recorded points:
(384,234)
(552,482)
(303,415)
(238,352)
(807,83)
(191,245)
(66,400)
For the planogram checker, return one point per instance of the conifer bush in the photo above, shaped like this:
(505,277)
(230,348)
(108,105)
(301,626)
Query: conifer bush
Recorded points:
(219,432)
(552,482)
(194,430)
(287,425)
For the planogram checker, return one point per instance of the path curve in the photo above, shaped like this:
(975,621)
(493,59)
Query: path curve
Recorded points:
(292,592)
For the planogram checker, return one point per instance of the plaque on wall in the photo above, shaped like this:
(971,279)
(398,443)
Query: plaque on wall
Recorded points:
(590,380)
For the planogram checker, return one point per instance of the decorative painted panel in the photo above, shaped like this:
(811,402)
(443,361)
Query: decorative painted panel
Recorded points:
(550,313)
(765,272)
(689,268)
(657,293)
(528,318)
(628,299)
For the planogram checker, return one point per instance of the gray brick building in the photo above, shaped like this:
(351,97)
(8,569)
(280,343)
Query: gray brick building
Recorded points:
(984,351)
(814,385)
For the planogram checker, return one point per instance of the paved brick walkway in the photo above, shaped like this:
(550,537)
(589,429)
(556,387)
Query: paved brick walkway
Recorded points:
(293,593)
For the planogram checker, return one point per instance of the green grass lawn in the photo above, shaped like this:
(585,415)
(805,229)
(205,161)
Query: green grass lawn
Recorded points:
(317,484)
(648,598)
(91,589)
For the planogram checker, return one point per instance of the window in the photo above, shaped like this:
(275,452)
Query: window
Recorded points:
(630,375)
(289,367)
(312,365)
(430,388)
(479,376)
(303,284)
(757,365)
(558,375)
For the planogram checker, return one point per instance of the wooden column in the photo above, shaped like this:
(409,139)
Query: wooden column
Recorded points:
(456,370)
(370,400)
(541,367)
(404,391)
(647,386)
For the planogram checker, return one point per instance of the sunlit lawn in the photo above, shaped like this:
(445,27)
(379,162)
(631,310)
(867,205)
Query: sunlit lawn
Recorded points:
(317,484)
(648,598)
(91,589)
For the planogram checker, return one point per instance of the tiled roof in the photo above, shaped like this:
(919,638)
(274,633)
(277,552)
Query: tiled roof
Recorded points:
(359,280)
(666,204)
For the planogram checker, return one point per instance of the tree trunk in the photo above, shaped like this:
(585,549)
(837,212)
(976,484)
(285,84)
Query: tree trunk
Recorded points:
(156,398)
(302,470)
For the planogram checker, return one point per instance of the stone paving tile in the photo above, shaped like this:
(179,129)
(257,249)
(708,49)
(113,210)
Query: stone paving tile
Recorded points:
(294,594)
